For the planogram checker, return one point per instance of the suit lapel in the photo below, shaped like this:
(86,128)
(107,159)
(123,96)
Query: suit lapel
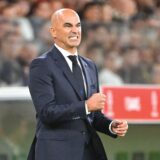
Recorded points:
(62,64)
(87,73)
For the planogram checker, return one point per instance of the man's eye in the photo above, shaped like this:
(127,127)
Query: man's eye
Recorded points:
(79,25)
(67,25)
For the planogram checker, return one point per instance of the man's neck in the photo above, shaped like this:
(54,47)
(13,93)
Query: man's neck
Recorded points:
(72,51)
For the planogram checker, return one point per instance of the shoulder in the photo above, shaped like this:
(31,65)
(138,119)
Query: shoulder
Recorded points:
(41,61)
(87,60)
(44,58)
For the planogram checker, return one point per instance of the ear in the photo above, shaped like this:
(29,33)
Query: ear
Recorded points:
(53,32)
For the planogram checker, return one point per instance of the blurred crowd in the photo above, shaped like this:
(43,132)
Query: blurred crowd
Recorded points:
(121,36)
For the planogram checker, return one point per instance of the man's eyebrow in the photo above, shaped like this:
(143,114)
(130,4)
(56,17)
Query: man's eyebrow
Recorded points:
(67,24)
(70,24)
(79,23)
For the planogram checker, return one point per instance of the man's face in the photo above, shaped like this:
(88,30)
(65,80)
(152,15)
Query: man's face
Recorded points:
(66,31)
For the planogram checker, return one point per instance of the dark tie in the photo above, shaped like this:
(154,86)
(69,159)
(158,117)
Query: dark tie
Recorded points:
(77,73)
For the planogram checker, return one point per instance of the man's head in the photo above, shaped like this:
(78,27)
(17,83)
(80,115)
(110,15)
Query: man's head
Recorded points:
(66,29)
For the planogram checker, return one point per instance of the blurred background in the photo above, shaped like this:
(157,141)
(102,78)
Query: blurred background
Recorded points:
(121,36)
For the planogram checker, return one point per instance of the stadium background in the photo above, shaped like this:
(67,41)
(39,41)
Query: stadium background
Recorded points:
(122,37)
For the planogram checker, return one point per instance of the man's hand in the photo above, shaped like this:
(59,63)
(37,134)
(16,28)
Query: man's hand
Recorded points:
(119,127)
(96,102)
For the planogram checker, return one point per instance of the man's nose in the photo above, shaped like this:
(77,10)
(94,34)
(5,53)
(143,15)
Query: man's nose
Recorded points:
(75,29)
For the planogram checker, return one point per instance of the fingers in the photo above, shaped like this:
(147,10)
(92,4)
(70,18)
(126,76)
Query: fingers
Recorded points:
(96,102)
(120,127)
(102,97)
(121,123)
(121,132)
(101,100)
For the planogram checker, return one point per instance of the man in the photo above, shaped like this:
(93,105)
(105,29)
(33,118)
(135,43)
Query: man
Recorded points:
(66,97)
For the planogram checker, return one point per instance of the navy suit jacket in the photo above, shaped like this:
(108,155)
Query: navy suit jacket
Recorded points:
(57,102)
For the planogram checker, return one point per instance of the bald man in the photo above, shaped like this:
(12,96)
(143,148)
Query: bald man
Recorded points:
(65,92)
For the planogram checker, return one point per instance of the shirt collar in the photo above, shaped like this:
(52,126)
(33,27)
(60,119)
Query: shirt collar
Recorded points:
(64,52)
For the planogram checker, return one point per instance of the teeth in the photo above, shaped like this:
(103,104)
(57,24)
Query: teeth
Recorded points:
(73,38)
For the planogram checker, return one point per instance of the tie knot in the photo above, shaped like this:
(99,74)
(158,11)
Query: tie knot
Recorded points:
(73,59)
